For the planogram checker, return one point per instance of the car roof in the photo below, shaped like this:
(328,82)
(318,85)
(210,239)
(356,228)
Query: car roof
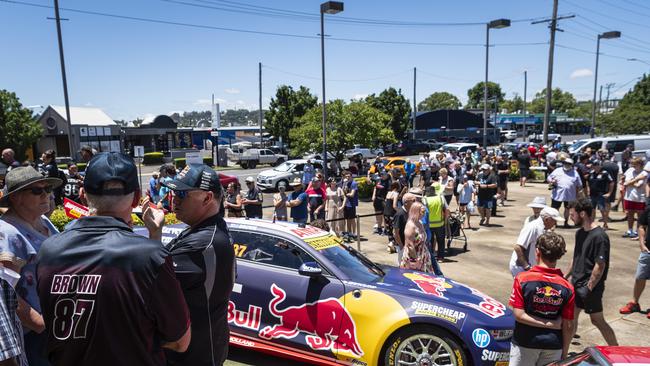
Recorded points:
(291,229)
(625,354)
(301,161)
(460,144)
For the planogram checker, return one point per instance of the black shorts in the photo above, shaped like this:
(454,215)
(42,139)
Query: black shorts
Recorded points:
(524,173)
(612,197)
(557,204)
(503,183)
(590,301)
(349,212)
(378,204)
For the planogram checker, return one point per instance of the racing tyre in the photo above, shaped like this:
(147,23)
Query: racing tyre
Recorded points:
(422,345)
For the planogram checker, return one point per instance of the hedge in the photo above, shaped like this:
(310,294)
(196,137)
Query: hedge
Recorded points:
(365,187)
(60,220)
(180,162)
(153,158)
(81,166)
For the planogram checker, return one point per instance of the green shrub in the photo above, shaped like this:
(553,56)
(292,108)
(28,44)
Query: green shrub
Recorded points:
(365,187)
(153,158)
(181,162)
(60,220)
(81,166)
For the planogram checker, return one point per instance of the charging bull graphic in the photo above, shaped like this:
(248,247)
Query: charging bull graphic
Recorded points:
(329,325)
(435,286)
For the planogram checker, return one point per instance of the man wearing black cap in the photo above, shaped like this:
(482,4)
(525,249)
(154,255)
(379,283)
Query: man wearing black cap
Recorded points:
(204,261)
(600,186)
(108,295)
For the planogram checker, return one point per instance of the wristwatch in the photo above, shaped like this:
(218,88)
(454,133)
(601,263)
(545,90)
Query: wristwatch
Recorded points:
(528,267)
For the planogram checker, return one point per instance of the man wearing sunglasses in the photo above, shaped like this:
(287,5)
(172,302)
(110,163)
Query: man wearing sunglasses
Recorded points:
(28,196)
(110,296)
(204,261)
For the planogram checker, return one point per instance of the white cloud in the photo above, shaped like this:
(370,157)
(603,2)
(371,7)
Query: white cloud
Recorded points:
(232,91)
(581,73)
(202,102)
(359,96)
(89,104)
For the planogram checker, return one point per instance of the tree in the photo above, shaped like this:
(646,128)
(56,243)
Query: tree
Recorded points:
(393,103)
(286,109)
(475,95)
(561,102)
(633,112)
(439,100)
(349,124)
(19,128)
(513,105)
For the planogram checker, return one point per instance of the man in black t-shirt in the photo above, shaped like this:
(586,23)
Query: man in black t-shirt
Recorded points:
(600,185)
(378,197)
(613,170)
(589,267)
(252,201)
(502,167)
(399,223)
(108,295)
(487,188)
(643,267)
(204,261)
(73,181)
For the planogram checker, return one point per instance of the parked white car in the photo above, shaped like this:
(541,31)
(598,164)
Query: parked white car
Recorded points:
(539,137)
(364,152)
(253,157)
(509,135)
(285,172)
(459,147)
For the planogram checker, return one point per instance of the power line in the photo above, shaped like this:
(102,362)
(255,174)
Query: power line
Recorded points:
(590,52)
(622,86)
(604,27)
(336,80)
(635,12)
(239,30)
(609,16)
(591,38)
(635,4)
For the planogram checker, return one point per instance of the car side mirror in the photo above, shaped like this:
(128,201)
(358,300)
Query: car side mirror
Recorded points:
(310,269)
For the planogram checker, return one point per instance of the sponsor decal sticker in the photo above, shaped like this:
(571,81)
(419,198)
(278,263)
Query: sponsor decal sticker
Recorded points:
(307,231)
(440,312)
(323,242)
(245,319)
(502,363)
(487,306)
(334,328)
(242,342)
(431,285)
(481,337)
(488,355)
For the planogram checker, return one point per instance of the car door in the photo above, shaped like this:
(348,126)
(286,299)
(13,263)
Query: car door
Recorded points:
(289,310)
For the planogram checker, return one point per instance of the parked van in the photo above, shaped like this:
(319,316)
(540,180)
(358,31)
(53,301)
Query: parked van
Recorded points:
(615,144)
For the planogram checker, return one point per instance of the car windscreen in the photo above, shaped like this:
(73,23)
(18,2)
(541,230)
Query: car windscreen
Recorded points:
(284,167)
(353,264)
(578,144)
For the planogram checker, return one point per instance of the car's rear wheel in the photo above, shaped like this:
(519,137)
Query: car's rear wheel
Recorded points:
(422,345)
(252,164)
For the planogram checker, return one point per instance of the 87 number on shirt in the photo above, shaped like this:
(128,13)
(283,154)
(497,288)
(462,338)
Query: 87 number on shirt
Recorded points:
(72,315)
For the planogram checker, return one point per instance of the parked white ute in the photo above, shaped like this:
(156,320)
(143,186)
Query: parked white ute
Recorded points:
(363,152)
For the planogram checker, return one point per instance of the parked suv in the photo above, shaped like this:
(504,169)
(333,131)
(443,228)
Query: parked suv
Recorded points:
(285,172)
(411,147)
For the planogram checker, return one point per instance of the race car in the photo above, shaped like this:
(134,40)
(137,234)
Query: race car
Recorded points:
(608,355)
(301,293)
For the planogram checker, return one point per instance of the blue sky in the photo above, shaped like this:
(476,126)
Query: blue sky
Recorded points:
(134,68)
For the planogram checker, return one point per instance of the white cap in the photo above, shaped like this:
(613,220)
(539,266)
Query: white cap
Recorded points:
(250,179)
(568,161)
(485,166)
(538,202)
(552,213)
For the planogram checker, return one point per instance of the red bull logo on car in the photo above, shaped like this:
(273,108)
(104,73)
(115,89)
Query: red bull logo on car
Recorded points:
(328,324)
(435,286)
(487,306)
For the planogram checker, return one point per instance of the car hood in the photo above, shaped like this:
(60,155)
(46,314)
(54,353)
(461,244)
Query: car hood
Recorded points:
(269,173)
(441,289)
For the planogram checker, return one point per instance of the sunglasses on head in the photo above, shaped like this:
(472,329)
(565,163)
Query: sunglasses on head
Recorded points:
(37,191)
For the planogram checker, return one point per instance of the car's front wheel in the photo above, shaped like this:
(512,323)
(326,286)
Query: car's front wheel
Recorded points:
(422,345)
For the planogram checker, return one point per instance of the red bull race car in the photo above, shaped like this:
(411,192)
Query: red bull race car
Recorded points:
(301,293)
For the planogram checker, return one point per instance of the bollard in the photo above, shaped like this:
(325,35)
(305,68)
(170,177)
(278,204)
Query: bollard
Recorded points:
(358,234)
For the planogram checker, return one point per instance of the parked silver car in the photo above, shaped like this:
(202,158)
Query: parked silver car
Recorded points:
(285,172)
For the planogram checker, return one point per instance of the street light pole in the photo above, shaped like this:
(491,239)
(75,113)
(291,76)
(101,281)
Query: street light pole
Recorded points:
(63,77)
(329,7)
(525,89)
(496,24)
(606,35)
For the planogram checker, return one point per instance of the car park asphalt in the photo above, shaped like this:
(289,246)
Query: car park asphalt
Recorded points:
(485,265)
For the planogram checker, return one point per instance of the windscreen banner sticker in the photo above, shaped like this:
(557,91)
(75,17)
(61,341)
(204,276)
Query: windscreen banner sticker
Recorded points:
(431,285)
(440,312)
(307,231)
(323,242)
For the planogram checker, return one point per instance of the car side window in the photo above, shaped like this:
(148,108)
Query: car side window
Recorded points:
(270,250)
(398,162)
(318,166)
(299,167)
(619,145)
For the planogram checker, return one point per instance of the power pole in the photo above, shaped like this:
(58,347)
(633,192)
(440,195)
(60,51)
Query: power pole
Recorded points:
(608,86)
(599,107)
(549,77)
(415,108)
(525,89)
(65,81)
(260,100)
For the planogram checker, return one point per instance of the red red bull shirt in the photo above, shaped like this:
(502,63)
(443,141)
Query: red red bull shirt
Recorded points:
(544,293)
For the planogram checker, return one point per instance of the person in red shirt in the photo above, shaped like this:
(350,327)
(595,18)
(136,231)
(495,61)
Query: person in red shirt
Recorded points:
(543,303)
(532,150)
